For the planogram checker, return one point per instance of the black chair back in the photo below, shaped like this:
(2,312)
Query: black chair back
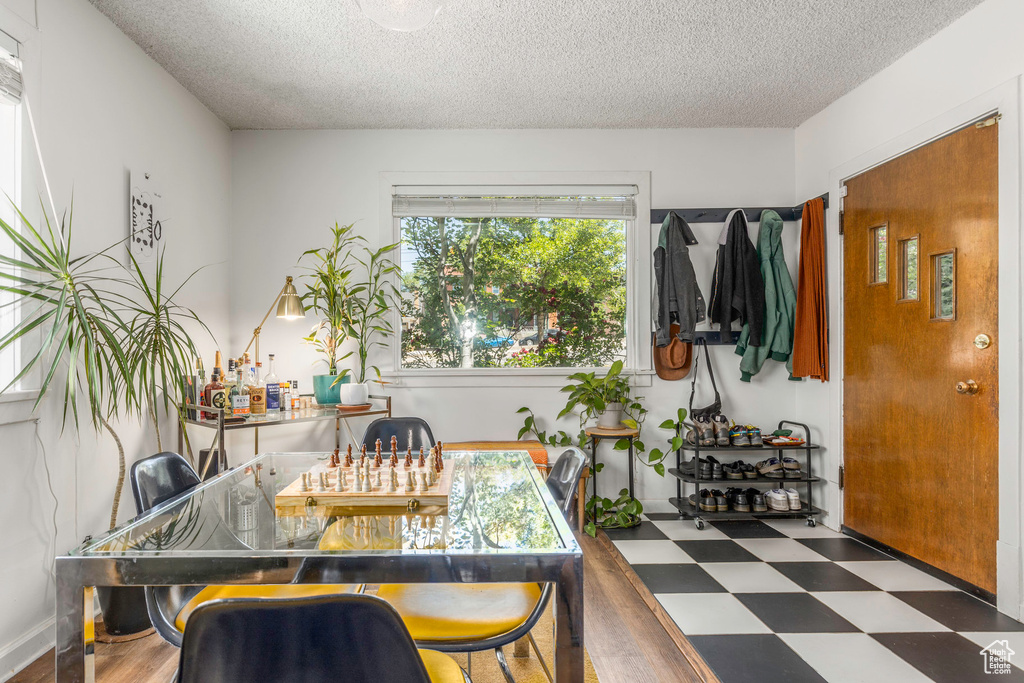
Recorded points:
(354,638)
(159,478)
(411,432)
(564,477)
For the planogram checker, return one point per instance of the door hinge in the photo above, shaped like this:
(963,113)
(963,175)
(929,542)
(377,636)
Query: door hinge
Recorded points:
(842,477)
(841,214)
(991,121)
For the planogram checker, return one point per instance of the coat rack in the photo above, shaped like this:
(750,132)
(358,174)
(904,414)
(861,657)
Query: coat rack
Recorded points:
(787,213)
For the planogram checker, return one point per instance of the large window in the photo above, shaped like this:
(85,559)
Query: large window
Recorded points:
(10,174)
(514,278)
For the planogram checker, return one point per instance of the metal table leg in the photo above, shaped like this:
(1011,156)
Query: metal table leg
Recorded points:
(75,632)
(569,623)
(631,493)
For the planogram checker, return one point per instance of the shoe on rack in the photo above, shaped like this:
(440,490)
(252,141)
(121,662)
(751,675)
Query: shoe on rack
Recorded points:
(721,502)
(757,501)
(707,501)
(738,436)
(705,431)
(740,501)
(794,499)
(721,424)
(793,474)
(754,435)
(767,467)
(777,500)
(734,471)
(749,472)
(790,463)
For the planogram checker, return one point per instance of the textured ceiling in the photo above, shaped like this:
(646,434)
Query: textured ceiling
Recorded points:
(528,63)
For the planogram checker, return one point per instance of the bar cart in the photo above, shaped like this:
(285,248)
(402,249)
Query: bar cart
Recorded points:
(807,479)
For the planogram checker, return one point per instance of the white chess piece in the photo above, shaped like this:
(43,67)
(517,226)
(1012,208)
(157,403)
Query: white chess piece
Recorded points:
(393,481)
(304,482)
(376,480)
(366,483)
(423,481)
(321,483)
(410,484)
(340,485)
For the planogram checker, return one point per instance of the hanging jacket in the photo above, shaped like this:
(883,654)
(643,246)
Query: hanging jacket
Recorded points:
(779,303)
(810,330)
(679,297)
(737,289)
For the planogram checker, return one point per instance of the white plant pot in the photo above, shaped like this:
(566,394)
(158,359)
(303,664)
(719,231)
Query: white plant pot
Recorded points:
(355,394)
(611,418)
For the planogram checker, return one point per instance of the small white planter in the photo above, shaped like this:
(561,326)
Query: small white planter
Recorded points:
(355,394)
(611,418)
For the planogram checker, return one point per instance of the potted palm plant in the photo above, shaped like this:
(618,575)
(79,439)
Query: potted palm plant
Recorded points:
(329,281)
(367,311)
(117,337)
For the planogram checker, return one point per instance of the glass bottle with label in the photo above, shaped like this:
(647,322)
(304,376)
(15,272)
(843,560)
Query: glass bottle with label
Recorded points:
(258,394)
(239,394)
(273,386)
(296,399)
(214,391)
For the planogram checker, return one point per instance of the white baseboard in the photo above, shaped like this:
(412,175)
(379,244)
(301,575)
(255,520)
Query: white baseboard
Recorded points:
(25,650)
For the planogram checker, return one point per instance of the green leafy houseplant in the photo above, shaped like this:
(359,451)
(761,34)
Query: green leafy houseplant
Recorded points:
(369,303)
(589,396)
(329,284)
(115,334)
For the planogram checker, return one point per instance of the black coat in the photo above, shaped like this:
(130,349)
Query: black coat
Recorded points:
(679,297)
(737,289)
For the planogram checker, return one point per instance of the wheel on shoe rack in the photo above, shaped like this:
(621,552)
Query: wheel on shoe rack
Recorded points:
(700,524)
(811,522)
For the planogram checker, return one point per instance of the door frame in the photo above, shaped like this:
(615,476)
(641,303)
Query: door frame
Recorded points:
(1005,100)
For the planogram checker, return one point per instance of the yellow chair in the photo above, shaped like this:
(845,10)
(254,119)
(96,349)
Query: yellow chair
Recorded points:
(455,617)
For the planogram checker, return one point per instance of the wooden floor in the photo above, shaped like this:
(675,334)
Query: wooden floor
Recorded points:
(625,638)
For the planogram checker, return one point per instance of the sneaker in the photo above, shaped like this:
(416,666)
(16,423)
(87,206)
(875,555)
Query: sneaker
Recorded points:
(717,471)
(794,499)
(721,502)
(734,471)
(794,474)
(705,431)
(777,500)
(757,501)
(740,501)
(790,463)
(749,472)
(754,435)
(707,501)
(770,466)
(721,425)
(738,436)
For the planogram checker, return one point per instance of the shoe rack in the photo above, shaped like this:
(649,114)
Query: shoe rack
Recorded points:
(807,480)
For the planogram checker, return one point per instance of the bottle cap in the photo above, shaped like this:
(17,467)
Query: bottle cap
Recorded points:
(259,364)
(270,356)
(295,384)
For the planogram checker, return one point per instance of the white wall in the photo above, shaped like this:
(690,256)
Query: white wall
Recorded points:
(102,108)
(288,186)
(972,56)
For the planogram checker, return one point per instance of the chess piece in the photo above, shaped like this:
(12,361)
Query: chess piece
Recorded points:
(393,481)
(334,461)
(377,460)
(394,444)
(366,483)
(409,482)
(304,482)
(439,446)
(423,482)
(408,457)
(422,462)
(394,459)
(348,456)
(376,447)
(431,476)
(376,480)
(321,484)
(362,454)
(341,484)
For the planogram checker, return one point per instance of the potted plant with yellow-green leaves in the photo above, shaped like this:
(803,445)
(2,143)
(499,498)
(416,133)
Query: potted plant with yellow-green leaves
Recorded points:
(110,336)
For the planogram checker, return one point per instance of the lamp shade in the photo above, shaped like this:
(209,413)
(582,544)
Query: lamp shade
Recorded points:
(289,306)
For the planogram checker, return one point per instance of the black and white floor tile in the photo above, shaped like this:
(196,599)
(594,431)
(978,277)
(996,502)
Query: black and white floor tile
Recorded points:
(776,600)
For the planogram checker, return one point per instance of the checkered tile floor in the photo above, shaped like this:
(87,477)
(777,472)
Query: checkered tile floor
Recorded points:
(781,601)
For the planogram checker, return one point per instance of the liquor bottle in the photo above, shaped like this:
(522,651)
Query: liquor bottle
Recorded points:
(258,394)
(286,397)
(229,381)
(214,391)
(296,399)
(250,371)
(239,394)
(273,388)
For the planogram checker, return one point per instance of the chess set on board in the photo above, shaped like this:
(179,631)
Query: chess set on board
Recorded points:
(372,481)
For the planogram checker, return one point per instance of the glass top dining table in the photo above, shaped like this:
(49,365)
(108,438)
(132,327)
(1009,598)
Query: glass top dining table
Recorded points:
(501,525)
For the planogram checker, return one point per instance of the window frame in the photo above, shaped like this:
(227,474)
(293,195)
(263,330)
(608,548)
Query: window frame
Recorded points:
(873,253)
(638,361)
(902,297)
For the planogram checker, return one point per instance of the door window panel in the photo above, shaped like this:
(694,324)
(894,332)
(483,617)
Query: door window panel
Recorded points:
(909,269)
(880,254)
(944,286)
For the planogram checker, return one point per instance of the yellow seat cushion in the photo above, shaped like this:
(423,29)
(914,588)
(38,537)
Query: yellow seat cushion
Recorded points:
(441,668)
(461,611)
(291,590)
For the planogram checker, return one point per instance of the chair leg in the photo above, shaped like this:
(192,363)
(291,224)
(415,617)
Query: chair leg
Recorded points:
(503,665)
(540,657)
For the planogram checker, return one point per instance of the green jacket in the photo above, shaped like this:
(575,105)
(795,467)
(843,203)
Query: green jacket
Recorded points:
(779,303)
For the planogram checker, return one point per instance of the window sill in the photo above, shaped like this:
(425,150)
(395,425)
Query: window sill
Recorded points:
(497,377)
(24,395)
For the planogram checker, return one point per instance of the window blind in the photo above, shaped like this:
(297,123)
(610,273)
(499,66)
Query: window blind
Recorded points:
(11,86)
(595,201)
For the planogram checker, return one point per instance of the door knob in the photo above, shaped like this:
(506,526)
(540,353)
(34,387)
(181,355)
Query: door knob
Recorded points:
(968,387)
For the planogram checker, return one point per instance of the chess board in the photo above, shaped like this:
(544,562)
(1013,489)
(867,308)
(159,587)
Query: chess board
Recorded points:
(435,496)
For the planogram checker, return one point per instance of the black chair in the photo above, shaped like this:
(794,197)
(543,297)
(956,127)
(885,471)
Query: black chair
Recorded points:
(351,638)
(159,480)
(419,601)
(411,432)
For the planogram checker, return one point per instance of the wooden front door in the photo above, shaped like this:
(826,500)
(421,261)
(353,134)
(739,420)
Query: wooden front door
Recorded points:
(920,395)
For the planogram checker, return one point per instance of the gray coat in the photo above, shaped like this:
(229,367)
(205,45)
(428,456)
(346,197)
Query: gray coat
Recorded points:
(678,293)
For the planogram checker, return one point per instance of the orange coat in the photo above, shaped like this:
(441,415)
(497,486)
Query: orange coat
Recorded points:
(810,335)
